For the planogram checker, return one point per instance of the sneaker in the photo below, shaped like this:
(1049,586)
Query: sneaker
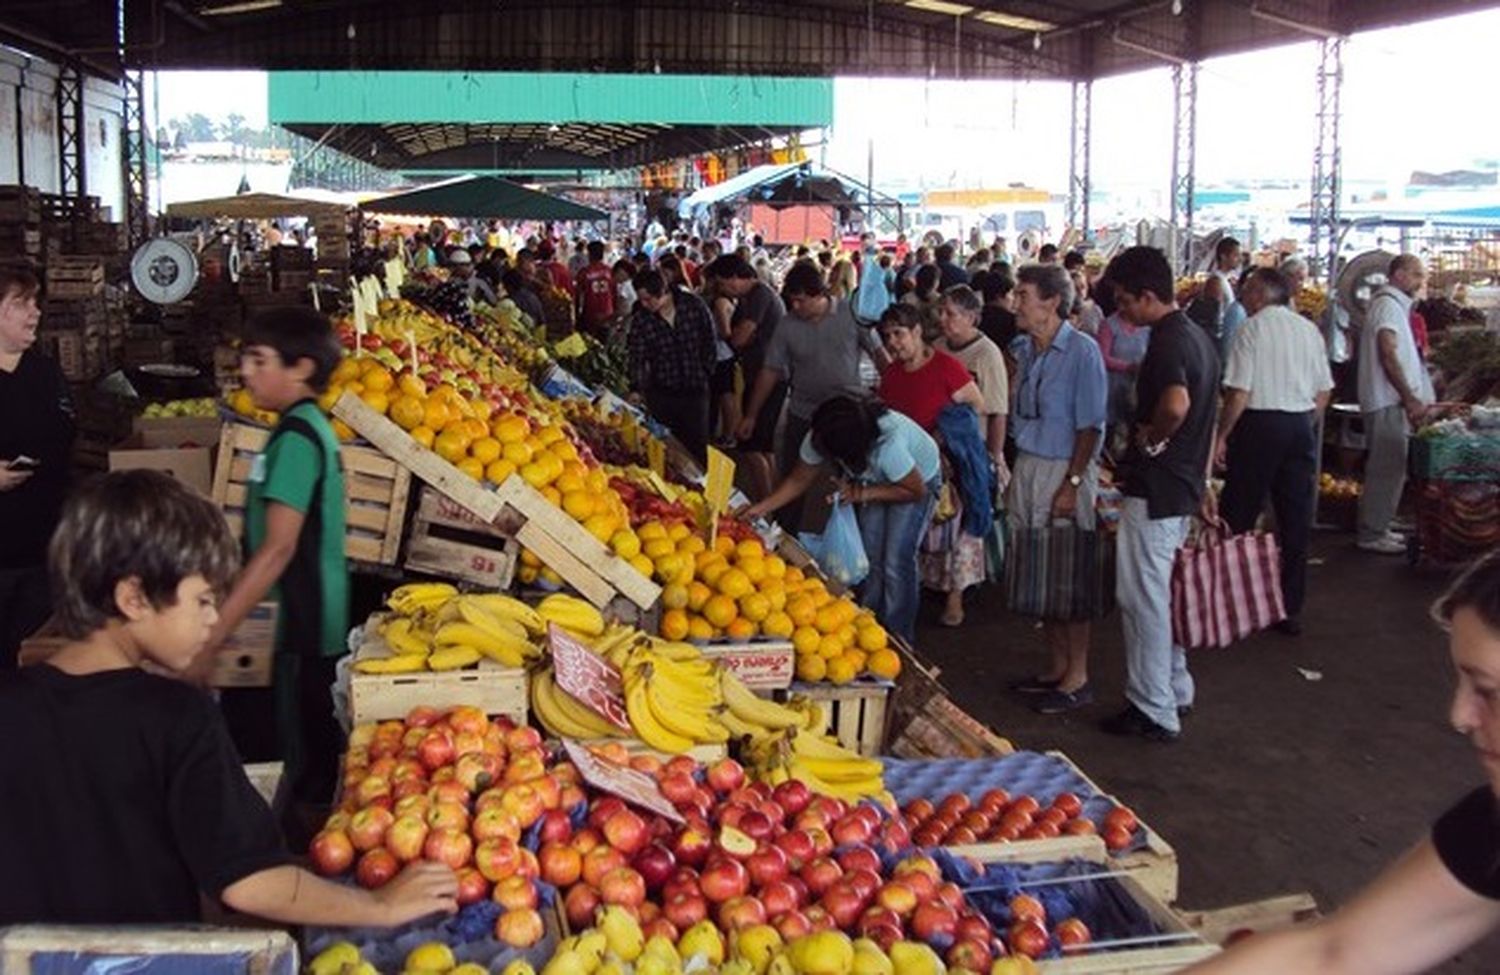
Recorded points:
(1385,545)
(1034,685)
(1132,722)
(1400,527)
(1059,701)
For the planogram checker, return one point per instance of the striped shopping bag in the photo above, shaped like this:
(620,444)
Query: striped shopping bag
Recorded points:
(1225,588)
(1060,573)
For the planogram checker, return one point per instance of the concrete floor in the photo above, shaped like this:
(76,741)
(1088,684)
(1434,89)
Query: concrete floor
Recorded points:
(1280,783)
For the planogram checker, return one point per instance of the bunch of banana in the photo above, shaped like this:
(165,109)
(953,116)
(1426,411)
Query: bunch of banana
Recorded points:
(410,599)
(564,716)
(825,766)
(746,715)
(571,613)
(673,704)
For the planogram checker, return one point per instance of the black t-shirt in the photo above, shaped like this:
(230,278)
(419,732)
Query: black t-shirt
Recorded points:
(1178,354)
(1467,838)
(999,325)
(765,307)
(37,392)
(128,800)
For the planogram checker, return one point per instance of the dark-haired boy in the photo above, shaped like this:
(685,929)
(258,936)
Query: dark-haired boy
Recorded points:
(135,800)
(294,539)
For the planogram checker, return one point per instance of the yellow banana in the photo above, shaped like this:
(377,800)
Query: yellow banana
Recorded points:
(501,647)
(645,724)
(752,709)
(852,769)
(473,612)
(405,663)
(452,658)
(400,637)
(562,715)
(701,692)
(572,613)
(814,746)
(738,727)
(409,598)
(676,650)
(578,713)
(842,790)
(509,607)
(685,720)
(815,717)
(616,635)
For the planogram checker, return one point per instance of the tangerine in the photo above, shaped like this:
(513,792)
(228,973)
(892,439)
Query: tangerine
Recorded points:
(720,610)
(674,624)
(884,663)
(811,667)
(499,470)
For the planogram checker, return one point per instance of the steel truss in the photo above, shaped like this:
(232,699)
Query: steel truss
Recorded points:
(1327,178)
(1184,152)
(1079,183)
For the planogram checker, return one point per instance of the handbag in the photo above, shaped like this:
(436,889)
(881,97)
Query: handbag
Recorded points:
(1225,587)
(1060,573)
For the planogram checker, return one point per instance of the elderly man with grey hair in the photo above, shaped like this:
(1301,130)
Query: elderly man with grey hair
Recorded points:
(1059,416)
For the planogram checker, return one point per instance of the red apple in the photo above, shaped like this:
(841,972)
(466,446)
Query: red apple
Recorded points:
(579,904)
(724,880)
(851,830)
(793,796)
(529,866)
(472,887)
(515,893)
(884,935)
(1072,932)
(623,886)
(561,865)
(897,897)
(819,918)
(973,926)
(523,802)
(492,823)
(677,787)
(680,763)
(646,764)
(685,910)
(725,775)
(830,808)
(604,808)
(332,852)
(406,837)
(866,882)
(767,865)
(371,788)
(421,716)
(519,929)
(736,842)
(738,913)
(523,739)
(952,895)
(626,832)
(655,864)
(1027,938)
(1024,907)
(448,791)
(933,920)
(550,789)
(974,956)
(557,827)
(797,844)
(843,903)
(859,858)
(822,842)
(435,750)
(600,861)
(585,840)
(780,896)
(448,815)
(757,825)
(376,868)
(793,925)
(497,858)
(449,846)
(875,915)
(467,743)
(684,880)
(819,875)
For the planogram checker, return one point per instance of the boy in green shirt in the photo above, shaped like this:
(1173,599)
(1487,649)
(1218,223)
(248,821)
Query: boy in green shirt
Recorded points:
(294,540)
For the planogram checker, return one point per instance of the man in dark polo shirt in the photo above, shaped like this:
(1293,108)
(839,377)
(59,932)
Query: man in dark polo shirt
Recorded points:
(1165,481)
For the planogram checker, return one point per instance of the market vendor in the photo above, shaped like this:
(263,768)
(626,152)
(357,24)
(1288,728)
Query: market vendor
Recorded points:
(136,803)
(294,534)
(889,468)
(1444,894)
(33,460)
(671,349)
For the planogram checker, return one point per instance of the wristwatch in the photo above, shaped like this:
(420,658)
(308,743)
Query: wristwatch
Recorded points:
(1075,479)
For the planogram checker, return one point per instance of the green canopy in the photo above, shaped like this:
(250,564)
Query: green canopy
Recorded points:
(482,197)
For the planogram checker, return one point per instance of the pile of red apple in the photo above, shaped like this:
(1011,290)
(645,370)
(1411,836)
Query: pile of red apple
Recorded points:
(455,788)
(956,820)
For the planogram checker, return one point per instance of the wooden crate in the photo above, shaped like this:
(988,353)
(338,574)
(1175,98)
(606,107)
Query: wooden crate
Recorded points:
(375,491)
(1224,925)
(74,277)
(447,540)
(859,710)
(1170,956)
(20,204)
(25,949)
(516,508)
(381,697)
(78,354)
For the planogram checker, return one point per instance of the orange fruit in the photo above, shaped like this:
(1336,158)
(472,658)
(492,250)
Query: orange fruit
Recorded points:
(533,474)
(802,611)
(476,428)
(342,430)
(553,495)
(692,545)
(407,412)
(549,434)
(828,620)
(423,435)
(720,610)
(435,412)
(451,445)
(712,571)
(794,575)
(378,379)
(740,628)
(805,640)
(471,467)
(811,667)
(668,566)
(509,428)
(698,594)
(517,452)
(499,470)
(642,565)
(699,628)
(884,663)
(376,400)
(674,597)
(724,545)
(347,370)
(485,449)
(841,670)
(650,530)
(778,625)
(578,504)
(412,385)
(674,624)
(753,566)
(754,607)
(655,548)
(775,567)
(830,647)
(750,548)
(872,638)
(734,584)
(626,543)
(601,525)
(482,410)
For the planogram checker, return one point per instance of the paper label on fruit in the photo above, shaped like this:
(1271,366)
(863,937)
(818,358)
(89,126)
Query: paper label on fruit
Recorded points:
(634,787)
(588,677)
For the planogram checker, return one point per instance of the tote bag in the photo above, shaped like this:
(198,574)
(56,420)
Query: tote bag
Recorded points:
(1225,588)
(1060,573)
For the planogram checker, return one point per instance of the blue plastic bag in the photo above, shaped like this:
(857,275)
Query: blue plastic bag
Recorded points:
(840,550)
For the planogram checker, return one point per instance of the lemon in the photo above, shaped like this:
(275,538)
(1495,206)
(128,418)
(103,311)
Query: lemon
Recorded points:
(699,628)
(499,470)
(754,607)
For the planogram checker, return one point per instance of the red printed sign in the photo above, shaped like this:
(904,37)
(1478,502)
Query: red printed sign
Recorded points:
(587,676)
(634,787)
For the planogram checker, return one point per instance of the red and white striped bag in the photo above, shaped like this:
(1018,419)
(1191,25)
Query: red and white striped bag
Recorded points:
(1225,588)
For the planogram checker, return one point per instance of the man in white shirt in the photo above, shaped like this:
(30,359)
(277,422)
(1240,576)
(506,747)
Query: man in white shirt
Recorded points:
(1394,392)
(1276,382)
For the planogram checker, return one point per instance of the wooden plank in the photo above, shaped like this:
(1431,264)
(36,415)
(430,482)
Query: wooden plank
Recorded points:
(559,559)
(1156,866)
(398,446)
(1272,914)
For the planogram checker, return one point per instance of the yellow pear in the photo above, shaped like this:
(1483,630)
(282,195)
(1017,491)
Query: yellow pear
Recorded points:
(622,932)
(870,959)
(433,956)
(757,944)
(915,958)
(822,953)
(518,967)
(334,959)
(702,939)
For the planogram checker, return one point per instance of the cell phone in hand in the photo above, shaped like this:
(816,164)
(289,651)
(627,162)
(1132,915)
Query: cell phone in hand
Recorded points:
(24,463)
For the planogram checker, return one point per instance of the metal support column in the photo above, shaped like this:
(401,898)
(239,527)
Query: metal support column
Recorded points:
(1184,151)
(133,160)
(70,132)
(1079,183)
(1327,180)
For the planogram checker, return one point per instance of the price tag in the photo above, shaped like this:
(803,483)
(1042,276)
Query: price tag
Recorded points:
(395,276)
(369,289)
(656,457)
(587,676)
(716,490)
(634,787)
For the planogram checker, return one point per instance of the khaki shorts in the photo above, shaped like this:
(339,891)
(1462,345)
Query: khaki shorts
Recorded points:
(1035,481)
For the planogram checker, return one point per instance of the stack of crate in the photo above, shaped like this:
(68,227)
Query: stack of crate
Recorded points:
(20,223)
(75,319)
(103,420)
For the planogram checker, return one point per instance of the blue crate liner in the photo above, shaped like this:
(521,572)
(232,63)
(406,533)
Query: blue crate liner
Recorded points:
(470,933)
(1101,903)
(1044,777)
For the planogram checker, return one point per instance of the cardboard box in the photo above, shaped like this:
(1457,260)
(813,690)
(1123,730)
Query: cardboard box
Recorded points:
(162,444)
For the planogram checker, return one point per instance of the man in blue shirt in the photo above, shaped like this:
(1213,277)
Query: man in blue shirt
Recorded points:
(1058,418)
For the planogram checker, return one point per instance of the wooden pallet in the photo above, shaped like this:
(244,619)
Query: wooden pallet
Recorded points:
(383,697)
(516,508)
(446,540)
(859,711)
(375,491)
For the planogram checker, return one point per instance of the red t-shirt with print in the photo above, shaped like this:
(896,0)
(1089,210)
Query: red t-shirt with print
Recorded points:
(922,393)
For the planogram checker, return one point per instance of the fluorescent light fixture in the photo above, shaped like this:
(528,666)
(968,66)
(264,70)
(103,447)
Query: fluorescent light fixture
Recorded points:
(242,7)
(1013,21)
(941,7)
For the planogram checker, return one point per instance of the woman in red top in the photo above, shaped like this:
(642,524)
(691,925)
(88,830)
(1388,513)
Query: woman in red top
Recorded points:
(920,380)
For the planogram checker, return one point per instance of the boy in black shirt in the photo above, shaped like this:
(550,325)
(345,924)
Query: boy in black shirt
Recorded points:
(135,801)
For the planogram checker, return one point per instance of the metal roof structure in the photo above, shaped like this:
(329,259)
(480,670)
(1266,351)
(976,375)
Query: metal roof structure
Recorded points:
(482,196)
(1067,40)
(527,122)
